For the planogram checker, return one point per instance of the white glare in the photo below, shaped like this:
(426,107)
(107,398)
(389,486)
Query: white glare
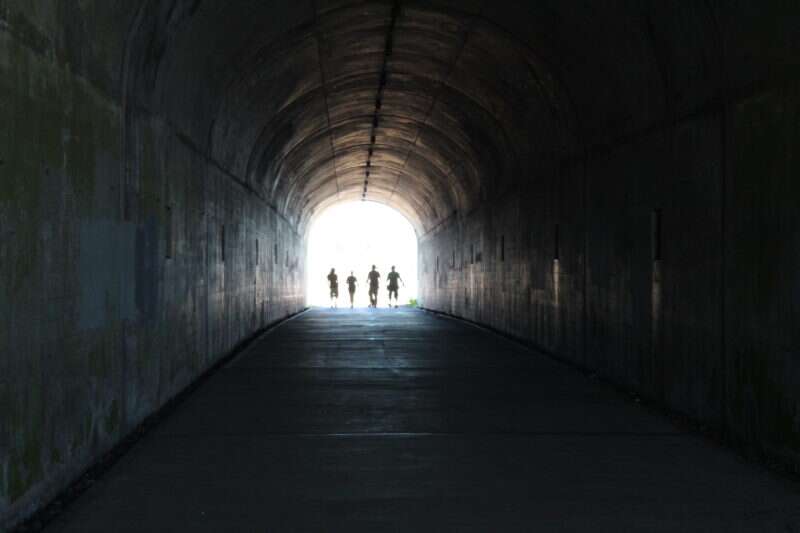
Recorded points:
(353,237)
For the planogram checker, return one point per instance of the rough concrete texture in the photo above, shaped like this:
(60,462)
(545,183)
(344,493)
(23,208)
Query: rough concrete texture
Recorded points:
(655,140)
(397,420)
(114,294)
(662,250)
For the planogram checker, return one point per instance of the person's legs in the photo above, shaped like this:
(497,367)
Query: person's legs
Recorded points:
(352,295)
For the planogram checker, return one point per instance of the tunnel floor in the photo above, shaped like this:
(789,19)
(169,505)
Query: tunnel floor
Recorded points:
(395,420)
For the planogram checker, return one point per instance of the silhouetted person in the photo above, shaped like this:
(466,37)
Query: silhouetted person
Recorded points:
(374,282)
(393,278)
(351,287)
(333,279)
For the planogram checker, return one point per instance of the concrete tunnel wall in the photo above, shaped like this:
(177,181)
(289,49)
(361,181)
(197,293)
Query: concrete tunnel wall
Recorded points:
(115,291)
(649,147)
(662,249)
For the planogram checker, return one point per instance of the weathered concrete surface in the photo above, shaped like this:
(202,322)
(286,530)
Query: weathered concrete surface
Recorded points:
(135,130)
(113,291)
(693,121)
(392,420)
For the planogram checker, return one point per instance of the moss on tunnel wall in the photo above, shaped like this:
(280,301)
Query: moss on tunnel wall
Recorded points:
(100,324)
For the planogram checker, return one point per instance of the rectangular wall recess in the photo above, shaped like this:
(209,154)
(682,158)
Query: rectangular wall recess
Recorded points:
(557,243)
(655,237)
(222,243)
(170,237)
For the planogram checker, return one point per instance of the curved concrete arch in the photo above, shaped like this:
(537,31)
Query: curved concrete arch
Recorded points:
(381,171)
(436,168)
(363,82)
(321,132)
(311,213)
(614,182)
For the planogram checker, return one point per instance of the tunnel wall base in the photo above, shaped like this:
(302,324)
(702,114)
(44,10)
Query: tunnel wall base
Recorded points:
(666,263)
(115,292)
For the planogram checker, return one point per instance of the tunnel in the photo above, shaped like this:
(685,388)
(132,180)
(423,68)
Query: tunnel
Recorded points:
(611,185)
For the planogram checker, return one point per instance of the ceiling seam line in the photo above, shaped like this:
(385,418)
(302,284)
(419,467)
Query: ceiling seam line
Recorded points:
(384,75)
(324,80)
(442,83)
(209,159)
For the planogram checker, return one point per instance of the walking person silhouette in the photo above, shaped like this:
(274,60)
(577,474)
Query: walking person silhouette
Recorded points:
(374,283)
(393,278)
(351,287)
(333,279)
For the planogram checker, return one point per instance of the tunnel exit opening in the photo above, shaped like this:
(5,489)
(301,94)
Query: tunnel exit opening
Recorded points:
(350,238)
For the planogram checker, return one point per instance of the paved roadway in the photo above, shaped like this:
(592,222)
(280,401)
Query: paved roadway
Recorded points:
(397,420)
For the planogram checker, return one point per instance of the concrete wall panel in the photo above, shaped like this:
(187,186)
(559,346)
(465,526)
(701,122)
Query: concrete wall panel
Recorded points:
(676,272)
(112,299)
(762,289)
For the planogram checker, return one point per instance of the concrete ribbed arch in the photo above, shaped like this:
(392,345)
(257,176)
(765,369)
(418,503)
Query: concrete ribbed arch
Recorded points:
(288,108)
(496,85)
(297,118)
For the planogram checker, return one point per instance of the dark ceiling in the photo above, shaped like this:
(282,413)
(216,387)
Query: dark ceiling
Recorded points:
(426,106)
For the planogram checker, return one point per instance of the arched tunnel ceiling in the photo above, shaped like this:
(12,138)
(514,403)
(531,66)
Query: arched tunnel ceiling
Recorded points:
(441,103)
(438,130)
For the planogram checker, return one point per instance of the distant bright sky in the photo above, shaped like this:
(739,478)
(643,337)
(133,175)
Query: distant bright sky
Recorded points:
(354,236)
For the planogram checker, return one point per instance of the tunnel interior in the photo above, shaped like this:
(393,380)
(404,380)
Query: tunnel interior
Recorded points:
(613,183)
(409,106)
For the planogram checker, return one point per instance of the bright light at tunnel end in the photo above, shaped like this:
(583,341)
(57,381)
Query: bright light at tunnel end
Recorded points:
(354,236)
